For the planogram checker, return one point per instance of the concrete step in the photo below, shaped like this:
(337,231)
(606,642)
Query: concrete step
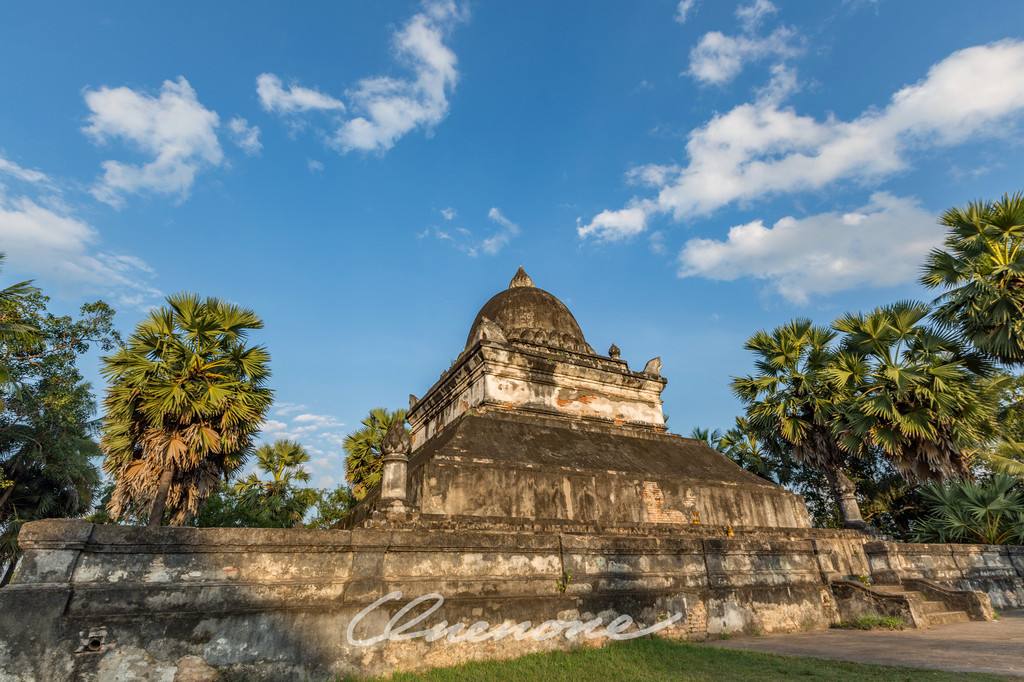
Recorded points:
(947,617)
(934,606)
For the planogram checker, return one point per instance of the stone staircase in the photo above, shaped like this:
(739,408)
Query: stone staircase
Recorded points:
(920,603)
(936,611)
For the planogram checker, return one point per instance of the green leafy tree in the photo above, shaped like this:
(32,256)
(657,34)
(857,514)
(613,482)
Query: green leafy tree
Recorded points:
(981,270)
(910,392)
(186,397)
(363,465)
(989,512)
(332,507)
(47,427)
(791,397)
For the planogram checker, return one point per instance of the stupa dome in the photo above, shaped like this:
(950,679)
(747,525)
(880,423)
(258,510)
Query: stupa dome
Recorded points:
(525,313)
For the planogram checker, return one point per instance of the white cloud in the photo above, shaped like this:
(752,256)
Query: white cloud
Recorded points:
(762,148)
(320,421)
(47,241)
(464,239)
(752,15)
(284,409)
(390,107)
(315,166)
(719,58)
(247,137)
(683,10)
(822,253)
(615,225)
(275,98)
(8,167)
(174,128)
(273,426)
(385,108)
(500,239)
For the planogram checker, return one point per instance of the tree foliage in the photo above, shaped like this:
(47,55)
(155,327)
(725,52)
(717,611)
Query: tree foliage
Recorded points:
(981,270)
(791,397)
(911,392)
(363,465)
(989,512)
(186,396)
(276,501)
(47,427)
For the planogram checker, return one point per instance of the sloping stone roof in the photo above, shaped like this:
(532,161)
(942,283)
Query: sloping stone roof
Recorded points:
(545,442)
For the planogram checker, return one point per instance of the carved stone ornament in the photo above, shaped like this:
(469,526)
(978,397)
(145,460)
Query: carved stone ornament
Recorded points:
(396,440)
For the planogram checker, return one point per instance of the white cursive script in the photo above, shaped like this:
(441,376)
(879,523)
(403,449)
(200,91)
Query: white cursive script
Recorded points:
(481,631)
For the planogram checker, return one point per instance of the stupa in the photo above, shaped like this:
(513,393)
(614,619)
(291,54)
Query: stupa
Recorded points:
(531,425)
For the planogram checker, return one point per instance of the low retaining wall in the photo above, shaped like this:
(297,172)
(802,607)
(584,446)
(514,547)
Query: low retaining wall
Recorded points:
(997,570)
(95,602)
(104,602)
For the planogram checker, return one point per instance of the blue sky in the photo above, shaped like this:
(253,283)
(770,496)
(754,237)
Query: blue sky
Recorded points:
(366,175)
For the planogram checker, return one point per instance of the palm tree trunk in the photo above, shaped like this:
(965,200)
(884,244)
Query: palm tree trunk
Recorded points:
(846,499)
(156,514)
(3,499)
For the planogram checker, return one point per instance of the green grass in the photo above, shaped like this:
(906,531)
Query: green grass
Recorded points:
(649,660)
(874,622)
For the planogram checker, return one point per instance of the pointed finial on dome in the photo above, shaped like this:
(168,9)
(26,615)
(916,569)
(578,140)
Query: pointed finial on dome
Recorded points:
(614,352)
(521,279)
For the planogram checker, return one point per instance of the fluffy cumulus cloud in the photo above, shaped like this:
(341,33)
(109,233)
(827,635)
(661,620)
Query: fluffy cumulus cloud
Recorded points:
(765,148)
(46,240)
(611,225)
(278,99)
(172,128)
(718,58)
(822,253)
(247,137)
(392,107)
(467,241)
(383,109)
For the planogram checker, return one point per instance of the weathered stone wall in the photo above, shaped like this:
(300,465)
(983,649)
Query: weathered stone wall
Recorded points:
(94,602)
(503,491)
(98,602)
(997,570)
(539,379)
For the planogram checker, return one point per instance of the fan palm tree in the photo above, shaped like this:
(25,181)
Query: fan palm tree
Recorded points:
(911,391)
(990,513)
(743,445)
(283,462)
(790,396)
(981,268)
(277,502)
(709,436)
(186,397)
(363,465)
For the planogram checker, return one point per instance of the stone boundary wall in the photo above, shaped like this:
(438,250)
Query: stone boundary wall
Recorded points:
(997,570)
(105,602)
(96,602)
